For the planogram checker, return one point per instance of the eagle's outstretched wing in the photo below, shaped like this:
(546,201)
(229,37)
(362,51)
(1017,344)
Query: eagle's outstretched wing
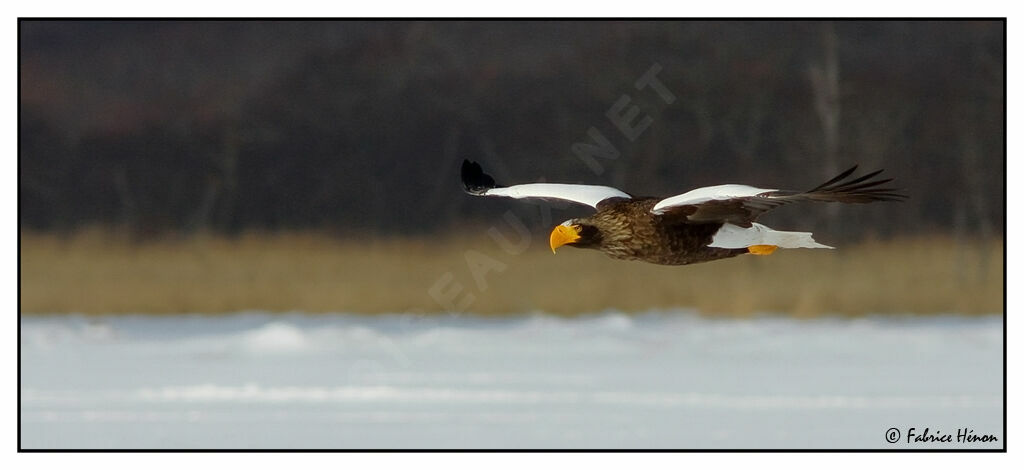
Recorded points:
(741,205)
(478,183)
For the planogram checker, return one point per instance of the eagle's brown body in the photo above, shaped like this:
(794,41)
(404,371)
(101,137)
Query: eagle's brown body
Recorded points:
(628,230)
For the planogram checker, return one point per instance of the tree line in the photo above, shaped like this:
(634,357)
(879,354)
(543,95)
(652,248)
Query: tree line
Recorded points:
(359,127)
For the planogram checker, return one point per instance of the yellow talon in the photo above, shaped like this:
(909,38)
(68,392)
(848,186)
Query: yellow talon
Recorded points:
(762,249)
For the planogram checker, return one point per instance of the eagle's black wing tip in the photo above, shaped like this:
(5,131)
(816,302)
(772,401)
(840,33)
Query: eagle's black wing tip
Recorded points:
(474,180)
(861,189)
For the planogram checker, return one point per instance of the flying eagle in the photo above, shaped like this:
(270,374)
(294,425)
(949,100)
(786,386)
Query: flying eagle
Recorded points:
(704,224)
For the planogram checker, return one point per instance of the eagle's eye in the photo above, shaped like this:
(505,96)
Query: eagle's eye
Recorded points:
(577,227)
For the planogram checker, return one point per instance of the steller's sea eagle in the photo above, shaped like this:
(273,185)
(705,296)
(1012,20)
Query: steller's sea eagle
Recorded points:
(704,224)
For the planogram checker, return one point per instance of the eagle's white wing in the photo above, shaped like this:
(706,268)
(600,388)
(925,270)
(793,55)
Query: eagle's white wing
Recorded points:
(579,193)
(721,192)
(478,183)
(740,204)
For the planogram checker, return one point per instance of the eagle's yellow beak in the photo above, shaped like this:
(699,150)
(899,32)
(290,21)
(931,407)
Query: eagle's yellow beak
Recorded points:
(563,234)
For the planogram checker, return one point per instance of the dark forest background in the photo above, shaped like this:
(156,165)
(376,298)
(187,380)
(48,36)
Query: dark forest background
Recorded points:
(359,127)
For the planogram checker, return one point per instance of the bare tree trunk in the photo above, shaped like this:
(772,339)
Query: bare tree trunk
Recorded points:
(200,220)
(825,86)
(129,208)
(437,201)
(743,131)
(229,174)
(972,200)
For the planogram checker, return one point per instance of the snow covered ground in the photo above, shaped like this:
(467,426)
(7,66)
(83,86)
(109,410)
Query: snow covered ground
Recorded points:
(663,379)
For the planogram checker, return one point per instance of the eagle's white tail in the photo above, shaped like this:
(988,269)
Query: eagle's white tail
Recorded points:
(732,236)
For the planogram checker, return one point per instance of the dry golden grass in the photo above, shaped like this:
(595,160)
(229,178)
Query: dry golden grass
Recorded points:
(96,272)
